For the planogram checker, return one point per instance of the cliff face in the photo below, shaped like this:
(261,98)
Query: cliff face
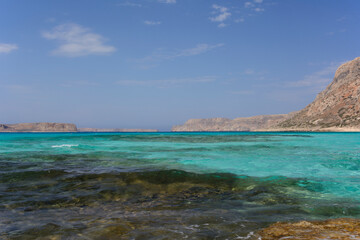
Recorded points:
(38,127)
(237,124)
(337,107)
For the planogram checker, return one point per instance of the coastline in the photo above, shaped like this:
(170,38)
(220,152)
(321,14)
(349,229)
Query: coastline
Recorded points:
(319,130)
(336,130)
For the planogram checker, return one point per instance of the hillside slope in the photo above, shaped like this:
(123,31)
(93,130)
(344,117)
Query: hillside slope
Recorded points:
(335,108)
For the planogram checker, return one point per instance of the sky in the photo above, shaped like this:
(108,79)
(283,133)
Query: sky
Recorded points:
(157,63)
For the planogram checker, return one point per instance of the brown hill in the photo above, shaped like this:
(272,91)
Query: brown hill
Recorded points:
(237,124)
(337,108)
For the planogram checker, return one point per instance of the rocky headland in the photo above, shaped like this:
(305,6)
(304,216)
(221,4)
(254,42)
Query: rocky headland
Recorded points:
(225,124)
(337,108)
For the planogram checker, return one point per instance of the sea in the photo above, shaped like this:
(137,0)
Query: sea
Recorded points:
(225,185)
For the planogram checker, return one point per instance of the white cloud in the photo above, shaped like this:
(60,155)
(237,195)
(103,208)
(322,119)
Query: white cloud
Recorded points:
(222,13)
(259,9)
(249,72)
(248,8)
(254,5)
(129,4)
(239,20)
(317,81)
(248,4)
(341,19)
(336,32)
(7,48)
(198,49)
(76,41)
(166,82)
(152,22)
(167,1)
(162,55)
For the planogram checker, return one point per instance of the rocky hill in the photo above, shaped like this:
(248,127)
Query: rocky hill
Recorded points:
(337,108)
(38,127)
(237,124)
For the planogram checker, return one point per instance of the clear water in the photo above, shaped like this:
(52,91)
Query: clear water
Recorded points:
(172,185)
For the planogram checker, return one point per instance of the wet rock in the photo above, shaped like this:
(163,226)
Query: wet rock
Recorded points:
(339,229)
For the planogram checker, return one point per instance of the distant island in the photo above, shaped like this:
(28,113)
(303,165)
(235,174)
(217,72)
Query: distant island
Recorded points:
(38,127)
(61,127)
(116,130)
(337,108)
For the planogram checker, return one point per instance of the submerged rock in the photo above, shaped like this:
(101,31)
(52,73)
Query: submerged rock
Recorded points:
(339,229)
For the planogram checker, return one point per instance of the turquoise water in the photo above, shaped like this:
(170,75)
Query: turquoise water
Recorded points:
(177,185)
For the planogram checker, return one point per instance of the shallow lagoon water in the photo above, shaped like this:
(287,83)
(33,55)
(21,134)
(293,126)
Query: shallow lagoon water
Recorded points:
(172,185)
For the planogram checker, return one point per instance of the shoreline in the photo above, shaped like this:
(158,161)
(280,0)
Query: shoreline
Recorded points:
(254,131)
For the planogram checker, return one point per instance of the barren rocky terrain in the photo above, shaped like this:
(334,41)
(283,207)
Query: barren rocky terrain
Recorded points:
(237,124)
(337,108)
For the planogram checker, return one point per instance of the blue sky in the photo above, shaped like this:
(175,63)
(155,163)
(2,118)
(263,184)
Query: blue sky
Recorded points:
(157,63)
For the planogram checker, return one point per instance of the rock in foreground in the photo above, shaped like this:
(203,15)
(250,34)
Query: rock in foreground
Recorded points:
(38,127)
(334,229)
